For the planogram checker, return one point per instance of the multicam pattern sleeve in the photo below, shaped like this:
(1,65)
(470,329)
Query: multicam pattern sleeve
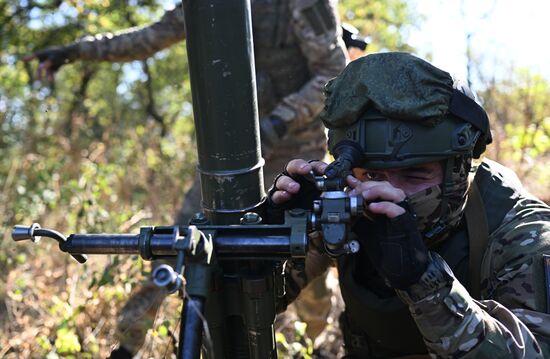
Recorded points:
(298,274)
(314,23)
(316,26)
(512,320)
(135,43)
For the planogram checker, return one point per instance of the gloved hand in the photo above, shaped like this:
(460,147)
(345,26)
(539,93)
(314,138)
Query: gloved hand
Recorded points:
(51,59)
(272,130)
(395,248)
(389,236)
(291,189)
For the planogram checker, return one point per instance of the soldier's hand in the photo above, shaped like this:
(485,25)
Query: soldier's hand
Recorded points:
(272,130)
(291,189)
(292,180)
(50,60)
(391,240)
(380,197)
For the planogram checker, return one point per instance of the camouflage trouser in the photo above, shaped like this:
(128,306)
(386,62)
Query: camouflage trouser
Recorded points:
(139,312)
(313,305)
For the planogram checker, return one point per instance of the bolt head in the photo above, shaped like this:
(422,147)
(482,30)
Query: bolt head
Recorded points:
(198,218)
(251,218)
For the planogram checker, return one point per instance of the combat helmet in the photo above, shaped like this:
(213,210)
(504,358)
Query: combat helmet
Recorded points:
(392,110)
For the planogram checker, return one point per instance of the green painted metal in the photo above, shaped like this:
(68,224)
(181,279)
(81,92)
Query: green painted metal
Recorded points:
(221,64)
(223,82)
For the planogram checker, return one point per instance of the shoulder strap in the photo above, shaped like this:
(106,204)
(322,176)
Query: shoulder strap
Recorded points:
(478,236)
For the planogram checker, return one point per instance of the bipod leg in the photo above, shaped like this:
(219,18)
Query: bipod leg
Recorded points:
(195,249)
(191,327)
(198,276)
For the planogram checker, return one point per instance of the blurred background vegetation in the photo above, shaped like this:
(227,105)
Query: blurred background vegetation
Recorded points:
(110,147)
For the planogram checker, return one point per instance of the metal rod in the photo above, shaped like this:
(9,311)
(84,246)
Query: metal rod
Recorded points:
(191,326)
(101,244)
(230,244)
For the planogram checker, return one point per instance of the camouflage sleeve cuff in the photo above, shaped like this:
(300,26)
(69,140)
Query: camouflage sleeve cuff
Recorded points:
(435,282)
(454,325)
(442,308)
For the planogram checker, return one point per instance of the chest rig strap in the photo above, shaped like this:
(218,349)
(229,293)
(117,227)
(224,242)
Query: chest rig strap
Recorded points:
(478,236)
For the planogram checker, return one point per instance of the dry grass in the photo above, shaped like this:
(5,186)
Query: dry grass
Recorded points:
(53,307)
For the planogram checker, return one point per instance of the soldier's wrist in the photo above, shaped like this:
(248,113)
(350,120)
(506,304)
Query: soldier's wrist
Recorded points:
(435,282)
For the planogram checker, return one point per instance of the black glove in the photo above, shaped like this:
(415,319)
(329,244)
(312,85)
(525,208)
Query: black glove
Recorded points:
(303,199)
(272,130)
(57,56)
(394,246)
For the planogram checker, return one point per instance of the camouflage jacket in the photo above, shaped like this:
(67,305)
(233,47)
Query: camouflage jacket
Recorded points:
(510,319)
(297,45)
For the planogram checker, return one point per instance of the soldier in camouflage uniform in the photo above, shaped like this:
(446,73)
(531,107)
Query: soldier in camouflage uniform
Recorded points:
(452,258)
(298,48)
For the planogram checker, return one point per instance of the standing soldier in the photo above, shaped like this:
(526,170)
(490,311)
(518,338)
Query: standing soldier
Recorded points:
(298,48)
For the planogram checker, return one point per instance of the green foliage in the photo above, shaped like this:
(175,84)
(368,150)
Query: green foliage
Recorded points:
(519,108)
(386,22)
(83,154)
(67,341)
(300,347)
(76,144)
